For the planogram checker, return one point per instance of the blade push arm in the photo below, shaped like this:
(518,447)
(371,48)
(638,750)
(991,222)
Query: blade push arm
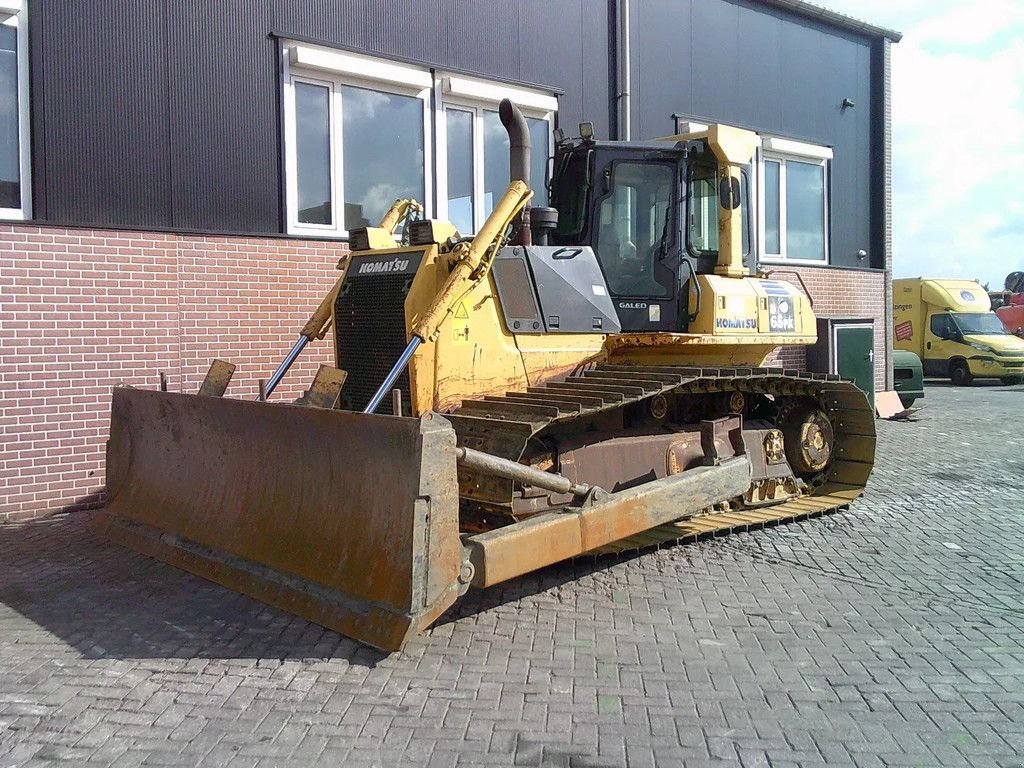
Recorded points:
(320,321)
(473,260)
(472,265)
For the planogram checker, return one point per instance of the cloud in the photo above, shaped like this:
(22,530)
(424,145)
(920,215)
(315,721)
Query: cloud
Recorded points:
(958,134)
(968,24)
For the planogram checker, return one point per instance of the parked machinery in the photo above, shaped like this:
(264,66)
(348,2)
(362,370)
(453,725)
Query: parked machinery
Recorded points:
(950,326)
(594,384)
(1011,304)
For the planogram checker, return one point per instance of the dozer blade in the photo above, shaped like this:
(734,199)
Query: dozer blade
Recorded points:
(347,520)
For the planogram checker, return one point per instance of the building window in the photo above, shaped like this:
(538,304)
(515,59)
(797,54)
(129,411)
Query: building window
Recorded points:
(461,172)
(359,134)
(15,192)
(794,201)
(475,151)
(357,137)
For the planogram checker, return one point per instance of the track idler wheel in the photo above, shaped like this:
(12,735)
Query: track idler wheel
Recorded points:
(809,439)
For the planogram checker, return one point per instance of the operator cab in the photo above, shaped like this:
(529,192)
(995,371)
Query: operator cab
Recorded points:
(650,212)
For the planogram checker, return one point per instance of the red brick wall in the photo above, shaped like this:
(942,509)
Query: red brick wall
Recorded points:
(83,310)
(839,293)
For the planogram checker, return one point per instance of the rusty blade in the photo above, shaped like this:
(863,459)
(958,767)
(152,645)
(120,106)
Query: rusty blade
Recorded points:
(345,519)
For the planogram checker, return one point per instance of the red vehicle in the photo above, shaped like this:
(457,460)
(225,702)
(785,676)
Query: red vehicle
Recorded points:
(1011,313)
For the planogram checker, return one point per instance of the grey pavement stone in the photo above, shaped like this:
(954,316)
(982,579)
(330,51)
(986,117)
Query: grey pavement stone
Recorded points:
(888,635)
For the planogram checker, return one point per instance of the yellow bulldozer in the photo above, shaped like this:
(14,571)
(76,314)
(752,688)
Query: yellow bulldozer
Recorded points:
(582,378)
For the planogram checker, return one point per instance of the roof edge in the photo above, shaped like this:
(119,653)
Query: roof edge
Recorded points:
(811,11)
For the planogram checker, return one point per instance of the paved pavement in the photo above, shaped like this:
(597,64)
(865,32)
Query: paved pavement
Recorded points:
(892,635)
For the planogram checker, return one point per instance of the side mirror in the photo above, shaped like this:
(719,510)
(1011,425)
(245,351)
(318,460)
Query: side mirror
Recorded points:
(1020,331)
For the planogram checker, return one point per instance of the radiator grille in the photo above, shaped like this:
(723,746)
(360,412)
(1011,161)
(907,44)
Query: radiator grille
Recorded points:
(369,317)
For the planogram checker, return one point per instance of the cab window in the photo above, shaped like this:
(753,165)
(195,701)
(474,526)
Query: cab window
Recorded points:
(702,211)
(942,325)
(635,227)
(982,323)
(570,194)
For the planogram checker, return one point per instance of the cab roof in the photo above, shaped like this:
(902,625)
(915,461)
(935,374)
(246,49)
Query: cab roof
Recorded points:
(956,295)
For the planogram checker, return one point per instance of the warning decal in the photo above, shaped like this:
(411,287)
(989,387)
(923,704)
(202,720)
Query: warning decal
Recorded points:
(460,324)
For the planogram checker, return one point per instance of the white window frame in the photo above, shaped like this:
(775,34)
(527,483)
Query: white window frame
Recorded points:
(781,151)
(15,13)
(334,69)
(475,95)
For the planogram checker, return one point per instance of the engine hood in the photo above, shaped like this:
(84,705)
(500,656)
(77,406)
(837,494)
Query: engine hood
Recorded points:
(1000,342)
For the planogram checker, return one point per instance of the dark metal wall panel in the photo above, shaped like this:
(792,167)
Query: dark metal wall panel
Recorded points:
(330,21)
(224,127)
(37,104)
(398,28)
(406,29)
(740,62)
(880,193)
(557,43)
(757,90)
(804,86)
(481,36)
(661,52)
(549,45)
(598,94)
(166,113)
(103,100)
(717,57)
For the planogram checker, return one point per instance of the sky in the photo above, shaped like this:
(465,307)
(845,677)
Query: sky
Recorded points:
(958,134)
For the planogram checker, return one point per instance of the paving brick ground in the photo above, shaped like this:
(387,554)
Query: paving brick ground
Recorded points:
(892,635)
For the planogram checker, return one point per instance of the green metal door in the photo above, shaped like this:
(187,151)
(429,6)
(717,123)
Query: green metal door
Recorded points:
(855,356)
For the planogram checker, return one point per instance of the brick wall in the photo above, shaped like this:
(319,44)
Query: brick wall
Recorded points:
(840,293)
(83,310)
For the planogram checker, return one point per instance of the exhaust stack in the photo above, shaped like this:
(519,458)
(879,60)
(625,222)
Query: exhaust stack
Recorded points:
(518,160)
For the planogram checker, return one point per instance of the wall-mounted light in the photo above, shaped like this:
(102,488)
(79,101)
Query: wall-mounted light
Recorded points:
(862,254)
(847,104)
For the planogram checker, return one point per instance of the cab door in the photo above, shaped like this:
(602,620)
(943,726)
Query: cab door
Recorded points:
(635,234)
(941,343)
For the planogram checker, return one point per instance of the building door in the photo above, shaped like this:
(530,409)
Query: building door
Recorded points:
(855,356)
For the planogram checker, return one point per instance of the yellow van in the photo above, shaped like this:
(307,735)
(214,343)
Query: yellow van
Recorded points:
(949,324)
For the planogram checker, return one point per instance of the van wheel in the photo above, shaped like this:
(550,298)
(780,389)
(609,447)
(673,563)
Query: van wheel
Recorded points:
(959,373)
(1011,380)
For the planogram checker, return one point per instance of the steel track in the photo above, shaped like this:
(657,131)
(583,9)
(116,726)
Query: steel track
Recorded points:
(504,424)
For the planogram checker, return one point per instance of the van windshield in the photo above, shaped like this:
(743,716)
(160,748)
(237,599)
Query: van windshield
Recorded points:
(978,323)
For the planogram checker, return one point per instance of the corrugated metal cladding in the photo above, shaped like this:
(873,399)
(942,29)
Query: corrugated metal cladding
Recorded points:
(102,106)
(558,43)
(224,127)
(738,61)
(165,113)
(157,113)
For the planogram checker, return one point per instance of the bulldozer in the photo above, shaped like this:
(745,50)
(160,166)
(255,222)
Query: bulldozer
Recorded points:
(582,378)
